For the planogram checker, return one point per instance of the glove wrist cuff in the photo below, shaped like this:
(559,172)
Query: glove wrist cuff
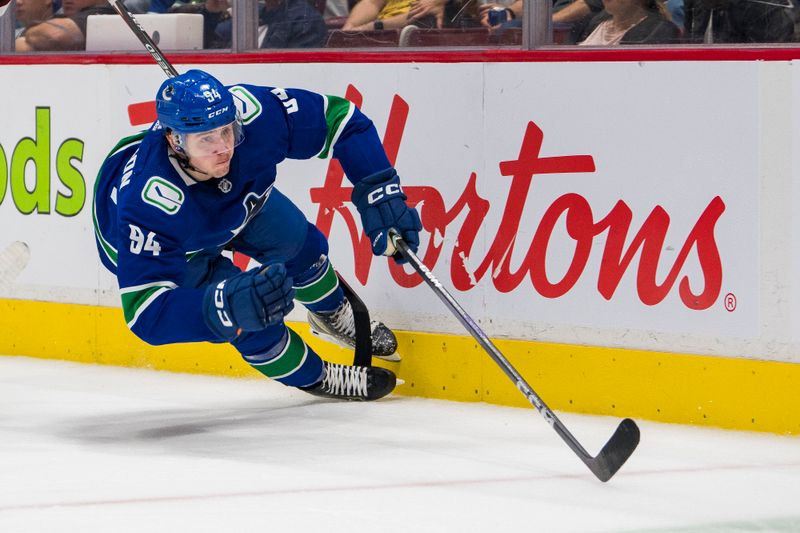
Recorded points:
(213,319)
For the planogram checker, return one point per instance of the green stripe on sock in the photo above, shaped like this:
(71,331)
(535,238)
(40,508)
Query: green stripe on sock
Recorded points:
(319,289)
(289,360)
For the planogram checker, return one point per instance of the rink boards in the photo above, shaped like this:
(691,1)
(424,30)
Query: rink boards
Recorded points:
(623,228)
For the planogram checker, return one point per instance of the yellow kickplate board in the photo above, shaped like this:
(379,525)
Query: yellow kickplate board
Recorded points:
(721,392)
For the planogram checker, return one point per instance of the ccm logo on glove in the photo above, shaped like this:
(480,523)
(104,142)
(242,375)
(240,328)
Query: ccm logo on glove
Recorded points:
(381,192)
(382,204)
(248,301)
(219,303)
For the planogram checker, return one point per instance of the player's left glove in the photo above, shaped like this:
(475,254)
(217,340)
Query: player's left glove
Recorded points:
(382,205)
(248,301)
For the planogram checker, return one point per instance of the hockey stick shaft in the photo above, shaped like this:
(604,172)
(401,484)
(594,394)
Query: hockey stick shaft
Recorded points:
(362,355)
(145,39)
(617,449)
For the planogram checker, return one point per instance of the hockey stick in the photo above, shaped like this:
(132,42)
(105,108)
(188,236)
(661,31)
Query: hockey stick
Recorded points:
(363,350)
(145,39)
(13,260)
(621,444)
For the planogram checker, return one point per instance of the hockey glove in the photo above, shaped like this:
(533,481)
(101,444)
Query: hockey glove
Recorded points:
(249,301)
(382,205)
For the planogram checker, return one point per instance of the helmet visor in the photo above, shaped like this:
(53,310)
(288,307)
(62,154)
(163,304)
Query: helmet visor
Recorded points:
(212,142)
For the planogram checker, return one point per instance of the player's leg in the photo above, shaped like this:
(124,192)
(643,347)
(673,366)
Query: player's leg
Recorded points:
(280,232)
(279,353)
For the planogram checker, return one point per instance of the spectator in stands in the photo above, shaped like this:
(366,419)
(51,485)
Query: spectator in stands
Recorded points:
(282,24)
(369,15)
(630,22)
(676,13)
(738,21)
(63,32)
(292,24)
(419,9)
(572,11)
(444,13)
(32,12)
(575,12)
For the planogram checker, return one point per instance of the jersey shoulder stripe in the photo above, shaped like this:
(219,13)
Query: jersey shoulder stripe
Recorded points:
(105,244)
(125,142)
(338,111)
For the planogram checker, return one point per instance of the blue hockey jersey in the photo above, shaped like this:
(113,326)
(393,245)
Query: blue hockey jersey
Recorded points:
(150,216)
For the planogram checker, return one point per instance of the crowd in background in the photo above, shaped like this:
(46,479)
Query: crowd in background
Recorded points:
(53,25)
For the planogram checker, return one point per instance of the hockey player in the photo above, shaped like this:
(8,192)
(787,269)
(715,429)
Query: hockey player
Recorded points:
(202,179)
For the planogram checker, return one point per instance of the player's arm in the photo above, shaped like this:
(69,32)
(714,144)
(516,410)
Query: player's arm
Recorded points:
(158,310)
(325,125)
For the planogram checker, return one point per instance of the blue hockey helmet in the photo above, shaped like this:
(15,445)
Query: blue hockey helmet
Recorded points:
(196,102)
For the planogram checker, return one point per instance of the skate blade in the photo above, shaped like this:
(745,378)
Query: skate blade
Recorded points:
(392,358)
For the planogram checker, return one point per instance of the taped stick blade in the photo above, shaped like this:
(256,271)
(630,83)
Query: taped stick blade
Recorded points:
(616,451)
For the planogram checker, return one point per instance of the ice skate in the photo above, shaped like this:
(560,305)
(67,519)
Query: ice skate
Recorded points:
(361,383)
(339,327)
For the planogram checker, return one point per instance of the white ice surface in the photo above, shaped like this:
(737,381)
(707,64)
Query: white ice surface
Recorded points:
(88,448)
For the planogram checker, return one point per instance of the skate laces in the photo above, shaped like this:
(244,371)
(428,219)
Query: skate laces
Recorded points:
(342,320)
(345,380)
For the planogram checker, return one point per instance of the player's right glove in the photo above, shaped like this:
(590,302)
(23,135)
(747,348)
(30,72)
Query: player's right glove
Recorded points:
(249,301)
(383,207)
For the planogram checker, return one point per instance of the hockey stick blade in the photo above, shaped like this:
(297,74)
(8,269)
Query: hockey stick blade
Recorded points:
(13,261)
(618,448)
(616,451)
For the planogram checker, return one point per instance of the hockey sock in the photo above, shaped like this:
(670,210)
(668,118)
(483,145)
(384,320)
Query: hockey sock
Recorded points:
(291,362)
(318,288)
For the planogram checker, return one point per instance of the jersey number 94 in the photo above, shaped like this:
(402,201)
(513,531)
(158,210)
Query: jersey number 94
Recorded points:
(140,243)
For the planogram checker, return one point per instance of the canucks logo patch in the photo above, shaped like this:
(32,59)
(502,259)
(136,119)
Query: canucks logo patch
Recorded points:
(252,205)
(163,195)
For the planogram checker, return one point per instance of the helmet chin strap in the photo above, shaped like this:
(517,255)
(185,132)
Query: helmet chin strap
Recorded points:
(183,160)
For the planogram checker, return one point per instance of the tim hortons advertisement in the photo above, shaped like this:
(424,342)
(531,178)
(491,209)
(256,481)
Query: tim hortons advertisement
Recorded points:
(555,198)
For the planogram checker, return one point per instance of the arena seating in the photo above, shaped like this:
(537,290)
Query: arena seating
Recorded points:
(413,37)
(170,31)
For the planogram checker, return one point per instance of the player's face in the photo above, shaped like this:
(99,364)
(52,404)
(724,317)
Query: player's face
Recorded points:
(211,151)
